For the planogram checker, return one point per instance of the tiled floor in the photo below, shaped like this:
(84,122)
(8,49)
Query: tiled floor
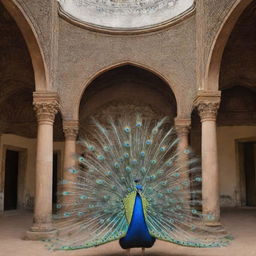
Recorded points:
(241,223)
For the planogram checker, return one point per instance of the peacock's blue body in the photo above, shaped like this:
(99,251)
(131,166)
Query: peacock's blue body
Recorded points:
(137,234)
(133,185)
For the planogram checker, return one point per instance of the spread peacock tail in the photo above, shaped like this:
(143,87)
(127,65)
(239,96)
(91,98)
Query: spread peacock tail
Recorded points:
(125,158)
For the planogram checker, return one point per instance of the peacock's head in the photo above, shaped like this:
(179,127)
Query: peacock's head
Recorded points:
(138,186)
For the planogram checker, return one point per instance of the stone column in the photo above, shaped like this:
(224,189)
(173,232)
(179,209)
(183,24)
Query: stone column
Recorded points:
(70,128)
(207,109)
(182,127)
(46,106)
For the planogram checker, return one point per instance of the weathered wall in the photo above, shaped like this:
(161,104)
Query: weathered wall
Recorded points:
(228,161)
(26,186)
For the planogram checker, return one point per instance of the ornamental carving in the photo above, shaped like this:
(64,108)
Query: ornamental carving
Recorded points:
(124,14)
(46,111)
(208,110)
(71,129)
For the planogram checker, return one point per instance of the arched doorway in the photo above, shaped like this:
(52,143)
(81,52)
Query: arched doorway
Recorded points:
(236,118)
(32,42)
(215,57)
(18,124)
(126,88)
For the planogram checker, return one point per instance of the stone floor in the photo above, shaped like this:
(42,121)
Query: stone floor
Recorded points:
(241,223)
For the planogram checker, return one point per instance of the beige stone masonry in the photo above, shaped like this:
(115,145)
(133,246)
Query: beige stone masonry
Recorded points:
(207,104)
(46,106)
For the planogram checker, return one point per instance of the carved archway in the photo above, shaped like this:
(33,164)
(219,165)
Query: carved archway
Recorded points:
(126,90)
(30,36)
(218,46)
(172,86)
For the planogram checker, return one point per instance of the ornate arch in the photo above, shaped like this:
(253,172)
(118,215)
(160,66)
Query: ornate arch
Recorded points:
(171,84)
(31,38)
(218,46)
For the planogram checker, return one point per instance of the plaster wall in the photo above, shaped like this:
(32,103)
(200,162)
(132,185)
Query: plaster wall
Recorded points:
(26,183)
(228,161)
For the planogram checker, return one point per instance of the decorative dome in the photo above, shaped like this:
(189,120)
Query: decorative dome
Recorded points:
(125,15)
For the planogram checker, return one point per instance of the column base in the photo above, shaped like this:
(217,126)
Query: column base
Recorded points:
(35,235)
(213,224)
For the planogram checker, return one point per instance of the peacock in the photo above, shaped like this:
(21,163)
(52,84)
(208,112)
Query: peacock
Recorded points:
(132,184)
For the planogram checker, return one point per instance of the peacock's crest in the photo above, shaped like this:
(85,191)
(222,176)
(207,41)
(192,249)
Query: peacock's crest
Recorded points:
(118,160)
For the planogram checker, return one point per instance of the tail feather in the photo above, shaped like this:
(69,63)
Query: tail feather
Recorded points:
(117,156)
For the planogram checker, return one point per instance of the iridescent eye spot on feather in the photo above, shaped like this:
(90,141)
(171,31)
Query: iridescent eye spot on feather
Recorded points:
(160,195)
(169,191)
(134,161)
(198,179)
(153,162)
(138,124)
(128,168)
(210,217)
(83,197)
(185,183)
(100,182)
(155,131)
(106,148)
(142,154)
(106,197)
(67,214)
(66,193)
(101,157)
(163,183)
(143,169)
(176,174)
(126,155)
(169,163)
(58,206)
(162,149)
(127,129)
(187,151)
(194,211)
(153,177)
(73,171)
(113,187)
(109,173)
(116,165)
(91,148)
(126,144)
(177,188)
(148,142)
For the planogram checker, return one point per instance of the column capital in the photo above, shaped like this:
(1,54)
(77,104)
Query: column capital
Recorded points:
(46,105)
(71,128)
(207,104)
(182,126)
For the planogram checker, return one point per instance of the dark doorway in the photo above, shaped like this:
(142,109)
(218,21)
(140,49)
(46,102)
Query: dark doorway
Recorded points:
(55,178)
(11,180)
(250,172)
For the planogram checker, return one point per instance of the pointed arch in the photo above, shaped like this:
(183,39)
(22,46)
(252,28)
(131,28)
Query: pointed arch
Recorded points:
(172,85)
(32,41)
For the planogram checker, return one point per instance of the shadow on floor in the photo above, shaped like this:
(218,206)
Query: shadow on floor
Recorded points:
(146,254)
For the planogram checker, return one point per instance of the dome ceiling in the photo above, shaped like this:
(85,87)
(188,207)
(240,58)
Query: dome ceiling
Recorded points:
(124,15)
